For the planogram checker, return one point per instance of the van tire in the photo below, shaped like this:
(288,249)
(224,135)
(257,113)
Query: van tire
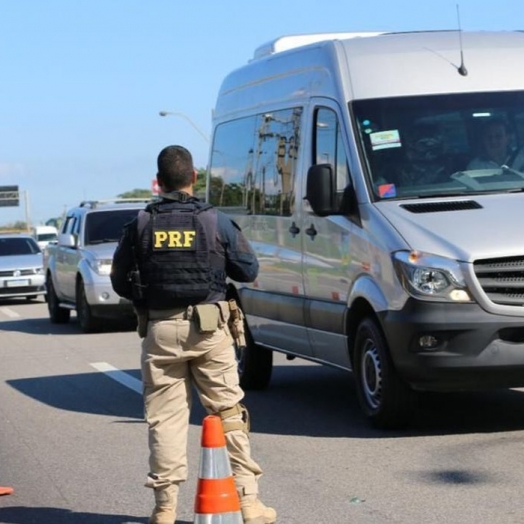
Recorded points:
(255,364)
(57,314)
(384,397)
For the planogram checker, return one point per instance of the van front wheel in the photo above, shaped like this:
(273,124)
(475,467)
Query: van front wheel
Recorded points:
(384,397)
(255,364)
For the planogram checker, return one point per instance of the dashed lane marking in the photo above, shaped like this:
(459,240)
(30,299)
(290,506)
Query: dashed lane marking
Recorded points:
(120,376)
(9,312)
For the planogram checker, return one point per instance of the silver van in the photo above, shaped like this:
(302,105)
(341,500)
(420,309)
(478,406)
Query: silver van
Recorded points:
(380,179)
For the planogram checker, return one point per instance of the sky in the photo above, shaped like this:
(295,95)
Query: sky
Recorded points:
(82,82)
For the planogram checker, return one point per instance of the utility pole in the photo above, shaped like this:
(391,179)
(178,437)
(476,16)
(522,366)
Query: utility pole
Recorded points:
(27,215)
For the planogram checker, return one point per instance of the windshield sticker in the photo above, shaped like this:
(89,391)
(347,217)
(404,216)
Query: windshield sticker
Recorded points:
(387,190)
(385,139)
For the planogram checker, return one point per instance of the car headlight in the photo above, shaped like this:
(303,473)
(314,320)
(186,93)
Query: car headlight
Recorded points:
(38,270)
(100,266)
(430,277)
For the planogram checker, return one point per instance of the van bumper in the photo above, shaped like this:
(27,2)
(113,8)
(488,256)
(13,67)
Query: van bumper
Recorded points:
(474,349)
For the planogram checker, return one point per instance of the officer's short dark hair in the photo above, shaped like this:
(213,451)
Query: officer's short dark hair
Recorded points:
(175,167)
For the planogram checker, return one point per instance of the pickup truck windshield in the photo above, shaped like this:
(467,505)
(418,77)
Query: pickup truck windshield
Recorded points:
(442,145)
(107,226)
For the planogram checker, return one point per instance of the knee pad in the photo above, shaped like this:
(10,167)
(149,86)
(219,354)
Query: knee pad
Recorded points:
(234,425)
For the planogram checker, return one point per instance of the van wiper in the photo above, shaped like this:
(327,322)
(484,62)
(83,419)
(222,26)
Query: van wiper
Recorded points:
(445,195)
(472,193)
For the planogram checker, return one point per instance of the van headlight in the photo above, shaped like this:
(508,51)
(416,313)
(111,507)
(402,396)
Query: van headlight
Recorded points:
(430,277)
(100,266)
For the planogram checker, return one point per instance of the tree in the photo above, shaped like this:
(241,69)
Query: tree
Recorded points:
(136,193)
(199,188)
(19,225)
(55,222)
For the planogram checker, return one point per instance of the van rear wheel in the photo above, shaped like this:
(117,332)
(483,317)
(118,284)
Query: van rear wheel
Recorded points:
(384,397)
(255,364)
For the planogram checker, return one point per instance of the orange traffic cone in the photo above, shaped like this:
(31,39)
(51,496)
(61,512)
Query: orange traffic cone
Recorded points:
(217,499)
(5,490)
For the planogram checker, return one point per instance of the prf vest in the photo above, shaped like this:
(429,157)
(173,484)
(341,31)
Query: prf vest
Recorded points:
(178,259)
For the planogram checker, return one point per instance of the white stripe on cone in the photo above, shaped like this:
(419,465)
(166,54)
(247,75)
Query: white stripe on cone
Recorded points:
(214,464)
(219,518)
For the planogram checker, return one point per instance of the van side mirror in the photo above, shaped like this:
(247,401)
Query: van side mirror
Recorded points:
(320,189)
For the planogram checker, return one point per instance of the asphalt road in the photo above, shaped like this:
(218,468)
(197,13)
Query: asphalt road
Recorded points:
(73,443)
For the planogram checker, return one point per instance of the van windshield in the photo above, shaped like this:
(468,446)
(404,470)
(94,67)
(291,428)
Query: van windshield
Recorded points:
(442,145)
(47,237)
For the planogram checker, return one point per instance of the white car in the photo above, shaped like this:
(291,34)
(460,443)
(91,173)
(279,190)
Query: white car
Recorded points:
(21,267)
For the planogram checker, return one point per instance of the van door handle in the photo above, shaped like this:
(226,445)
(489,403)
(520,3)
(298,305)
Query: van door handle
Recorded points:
(294,230)
(311,232)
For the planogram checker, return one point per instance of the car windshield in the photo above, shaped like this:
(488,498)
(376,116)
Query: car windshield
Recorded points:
(107,226)
(18,246)
(442,145)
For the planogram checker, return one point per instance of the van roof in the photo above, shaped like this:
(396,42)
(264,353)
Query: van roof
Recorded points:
(382,65)
(284,43)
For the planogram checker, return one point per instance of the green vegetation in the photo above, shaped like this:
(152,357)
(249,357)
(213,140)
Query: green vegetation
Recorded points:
(136,193)
(18,226)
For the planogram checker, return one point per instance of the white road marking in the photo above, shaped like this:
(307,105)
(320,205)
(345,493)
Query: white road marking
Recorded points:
(9,312)
(120,376)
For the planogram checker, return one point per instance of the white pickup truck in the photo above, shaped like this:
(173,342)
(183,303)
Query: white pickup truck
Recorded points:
(77,266)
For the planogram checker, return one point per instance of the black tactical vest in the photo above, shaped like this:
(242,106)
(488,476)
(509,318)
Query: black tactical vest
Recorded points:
(178,259)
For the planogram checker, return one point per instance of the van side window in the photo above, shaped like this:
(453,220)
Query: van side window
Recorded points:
(329,147)
(253,163)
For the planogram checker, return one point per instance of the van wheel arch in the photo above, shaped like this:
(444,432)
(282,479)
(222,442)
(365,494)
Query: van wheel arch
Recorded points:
(359,310)
(386,400)
(255,363)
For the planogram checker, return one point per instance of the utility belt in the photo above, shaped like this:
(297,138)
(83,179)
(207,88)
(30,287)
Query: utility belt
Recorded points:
(207,317)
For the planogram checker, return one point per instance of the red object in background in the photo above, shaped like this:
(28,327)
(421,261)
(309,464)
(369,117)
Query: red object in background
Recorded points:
(154,187)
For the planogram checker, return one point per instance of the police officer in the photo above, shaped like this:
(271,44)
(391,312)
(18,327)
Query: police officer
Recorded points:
(172,261)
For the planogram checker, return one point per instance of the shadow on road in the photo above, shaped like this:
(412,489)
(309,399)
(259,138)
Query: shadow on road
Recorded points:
(302,400)
(43,326)
(21,300)
(25,515)
(92,393)
(317,401)
(40,515)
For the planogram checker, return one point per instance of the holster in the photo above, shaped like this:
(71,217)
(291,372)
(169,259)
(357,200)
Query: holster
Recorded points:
(236,324)
(142,321)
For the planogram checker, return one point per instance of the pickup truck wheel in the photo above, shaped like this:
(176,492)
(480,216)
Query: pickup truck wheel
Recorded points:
(255,363)
(88,322)
(384,397)
(57,314)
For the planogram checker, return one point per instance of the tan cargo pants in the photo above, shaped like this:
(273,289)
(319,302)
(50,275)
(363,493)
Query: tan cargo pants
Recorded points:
(175,357)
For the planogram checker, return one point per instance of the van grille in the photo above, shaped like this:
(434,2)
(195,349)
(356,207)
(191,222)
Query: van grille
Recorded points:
(502,279)
(433,207)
